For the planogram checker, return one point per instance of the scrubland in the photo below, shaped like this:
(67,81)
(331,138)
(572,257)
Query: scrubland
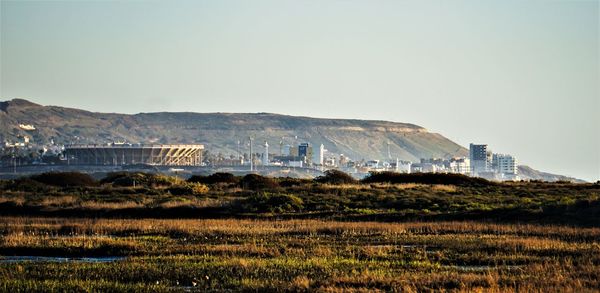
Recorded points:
(227,233)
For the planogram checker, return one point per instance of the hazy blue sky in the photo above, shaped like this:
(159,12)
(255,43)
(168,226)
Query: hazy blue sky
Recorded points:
(522,76)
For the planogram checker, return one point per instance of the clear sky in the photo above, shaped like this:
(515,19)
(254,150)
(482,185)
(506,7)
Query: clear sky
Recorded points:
(521,76)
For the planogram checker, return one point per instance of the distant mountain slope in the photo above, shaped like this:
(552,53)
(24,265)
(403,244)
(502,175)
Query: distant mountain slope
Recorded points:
(526,172)
(219,132)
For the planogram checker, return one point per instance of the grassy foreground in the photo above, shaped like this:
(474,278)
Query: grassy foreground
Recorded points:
(385,197)
(298,255)
(388,232)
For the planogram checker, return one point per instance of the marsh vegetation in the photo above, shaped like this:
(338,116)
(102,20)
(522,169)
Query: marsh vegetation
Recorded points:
(273,255)
(220,233)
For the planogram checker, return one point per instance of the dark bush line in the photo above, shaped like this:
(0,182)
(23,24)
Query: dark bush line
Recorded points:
(250,181)
(257,182)
(127,179)
(39,183)
(10,209)
(26,184)
(65,179)
(215,178)
(292,182)
(426,178)
(583,213)
(102,251)
(582,218)
(272,203)
(336,177)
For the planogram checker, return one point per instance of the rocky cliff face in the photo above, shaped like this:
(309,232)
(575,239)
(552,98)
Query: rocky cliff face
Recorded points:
(220,132)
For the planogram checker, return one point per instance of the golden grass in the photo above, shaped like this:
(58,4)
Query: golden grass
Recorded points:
(99,205)
(43,241)
(59,201)
(345,186)
(302,227)
(327,256)
(444,188)
(398,186)
(192,202)
(17,200)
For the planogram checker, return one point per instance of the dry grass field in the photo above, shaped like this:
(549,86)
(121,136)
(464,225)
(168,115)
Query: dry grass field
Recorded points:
(389,232)
(296,255)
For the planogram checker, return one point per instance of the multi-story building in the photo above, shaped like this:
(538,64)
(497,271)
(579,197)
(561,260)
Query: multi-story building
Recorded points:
(460,166)
(265,157)
(305,150)
(321,155)
(373,164)
(505,165)
(402,166)
(329,162)
(479,158)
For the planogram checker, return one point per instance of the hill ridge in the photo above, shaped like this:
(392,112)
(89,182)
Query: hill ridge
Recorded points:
(220,132)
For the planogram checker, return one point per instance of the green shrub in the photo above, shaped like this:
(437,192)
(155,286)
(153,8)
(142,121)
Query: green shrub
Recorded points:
(138,179)
(426,178)
(188,188)
(257,182)
(25,184)
(219,177)
(125,179)
(163,180)
(64,179)
(336,177)
(273,203)
(291,182)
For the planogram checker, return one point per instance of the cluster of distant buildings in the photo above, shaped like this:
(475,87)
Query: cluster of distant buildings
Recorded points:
(481,162)
(490,165)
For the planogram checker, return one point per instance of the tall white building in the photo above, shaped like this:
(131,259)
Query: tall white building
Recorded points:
(321,155)
(460,166)
(403,166)
(504,164)
(266,155)
(287,150)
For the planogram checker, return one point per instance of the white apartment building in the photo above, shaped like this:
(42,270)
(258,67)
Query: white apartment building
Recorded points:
(460,166)
(403,166)
(504,164)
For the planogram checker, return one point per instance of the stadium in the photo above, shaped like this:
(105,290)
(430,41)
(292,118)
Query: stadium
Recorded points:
(132,154)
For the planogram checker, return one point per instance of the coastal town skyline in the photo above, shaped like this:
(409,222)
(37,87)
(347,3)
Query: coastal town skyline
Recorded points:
(519,75)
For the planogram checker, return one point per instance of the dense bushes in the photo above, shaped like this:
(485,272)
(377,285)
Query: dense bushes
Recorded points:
(138,179)
(434,196)
(425,178)
(290,182)
(188,188)
(336,177)
(273,203)
(65,179)
(125,179)
(25,184)
(219,177)
(257,182)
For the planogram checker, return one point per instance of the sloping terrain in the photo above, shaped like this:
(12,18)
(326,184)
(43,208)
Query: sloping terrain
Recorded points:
(220,132)
(526,172)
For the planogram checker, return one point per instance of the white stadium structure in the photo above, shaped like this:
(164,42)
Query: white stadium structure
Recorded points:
(131,154)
